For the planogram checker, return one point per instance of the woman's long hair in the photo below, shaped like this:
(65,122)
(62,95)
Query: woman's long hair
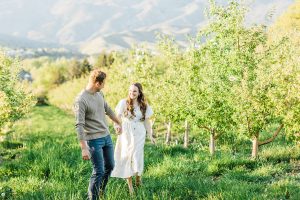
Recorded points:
(142,102)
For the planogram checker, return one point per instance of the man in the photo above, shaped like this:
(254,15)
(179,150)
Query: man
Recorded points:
(93,133)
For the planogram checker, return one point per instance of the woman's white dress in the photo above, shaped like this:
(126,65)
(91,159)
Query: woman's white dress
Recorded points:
(129,150)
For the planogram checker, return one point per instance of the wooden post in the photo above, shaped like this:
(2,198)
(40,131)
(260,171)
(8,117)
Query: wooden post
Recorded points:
(186,135)
(168,135)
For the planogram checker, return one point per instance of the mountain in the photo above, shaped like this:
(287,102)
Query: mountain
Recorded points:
(94,25)
(289,21)
(18,42)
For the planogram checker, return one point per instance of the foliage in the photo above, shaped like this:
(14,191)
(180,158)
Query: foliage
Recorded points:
(63,96)
(240,81)
(77,69)
(104,60)
(233,79)
(14,99)
(48,74)
(213,59)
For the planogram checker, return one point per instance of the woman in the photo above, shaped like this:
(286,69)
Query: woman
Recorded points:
(135,114)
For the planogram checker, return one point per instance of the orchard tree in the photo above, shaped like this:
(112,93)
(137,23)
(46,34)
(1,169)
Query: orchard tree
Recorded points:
(213,58)
(173,84)
(265,87)
(105,60)
(14,100)
(286,73)
(173,95)
(267,92)
(86,67)
(234,83)
(74,69)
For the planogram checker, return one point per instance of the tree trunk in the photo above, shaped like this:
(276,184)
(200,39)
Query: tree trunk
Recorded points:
(168,135)
(212,147)
(256,143)
(186,135)
(255,146)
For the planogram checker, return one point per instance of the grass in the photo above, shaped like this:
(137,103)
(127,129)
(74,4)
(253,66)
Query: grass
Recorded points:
(42,161)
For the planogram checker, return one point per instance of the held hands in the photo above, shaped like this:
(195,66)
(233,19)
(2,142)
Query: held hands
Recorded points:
(118,129)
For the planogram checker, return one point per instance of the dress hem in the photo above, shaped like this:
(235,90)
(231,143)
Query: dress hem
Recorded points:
(133,174)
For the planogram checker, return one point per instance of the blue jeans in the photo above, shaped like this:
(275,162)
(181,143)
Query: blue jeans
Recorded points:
(102,158)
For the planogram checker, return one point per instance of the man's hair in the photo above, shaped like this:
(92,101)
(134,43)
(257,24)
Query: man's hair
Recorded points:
(97,76)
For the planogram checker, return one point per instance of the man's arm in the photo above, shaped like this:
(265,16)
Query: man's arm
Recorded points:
(85,153)
(80,109)
(111,114)
(117,124)
(115,119)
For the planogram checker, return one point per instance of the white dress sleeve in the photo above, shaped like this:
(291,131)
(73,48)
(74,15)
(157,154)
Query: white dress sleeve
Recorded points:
(120,108)
(149,112)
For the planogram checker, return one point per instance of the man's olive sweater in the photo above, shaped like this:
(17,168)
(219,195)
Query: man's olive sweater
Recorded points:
(90,110)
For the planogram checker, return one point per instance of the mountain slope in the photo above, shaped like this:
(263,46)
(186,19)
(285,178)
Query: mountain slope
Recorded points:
(93,25)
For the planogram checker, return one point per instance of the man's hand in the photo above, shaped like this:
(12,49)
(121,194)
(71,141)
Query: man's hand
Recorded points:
(85,154)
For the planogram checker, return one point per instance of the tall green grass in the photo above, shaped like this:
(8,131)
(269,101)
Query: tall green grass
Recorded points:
(42,161)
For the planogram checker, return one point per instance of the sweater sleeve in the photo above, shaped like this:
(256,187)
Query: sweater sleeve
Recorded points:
(79,109)
(108,110)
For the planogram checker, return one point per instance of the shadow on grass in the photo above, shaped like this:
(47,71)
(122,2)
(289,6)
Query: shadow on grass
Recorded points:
(11,144)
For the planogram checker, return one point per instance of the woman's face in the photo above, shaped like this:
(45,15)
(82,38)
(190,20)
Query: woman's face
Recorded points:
(133,92)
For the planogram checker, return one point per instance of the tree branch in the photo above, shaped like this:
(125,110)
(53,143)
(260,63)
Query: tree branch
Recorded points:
(218,135)
(271,138)
(205,127)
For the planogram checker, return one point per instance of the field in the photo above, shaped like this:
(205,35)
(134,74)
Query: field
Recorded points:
(41,160)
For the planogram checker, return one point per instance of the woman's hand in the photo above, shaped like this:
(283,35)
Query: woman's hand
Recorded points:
(152,140)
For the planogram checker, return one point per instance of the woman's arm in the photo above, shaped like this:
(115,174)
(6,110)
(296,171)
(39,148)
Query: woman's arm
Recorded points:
(149,129)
